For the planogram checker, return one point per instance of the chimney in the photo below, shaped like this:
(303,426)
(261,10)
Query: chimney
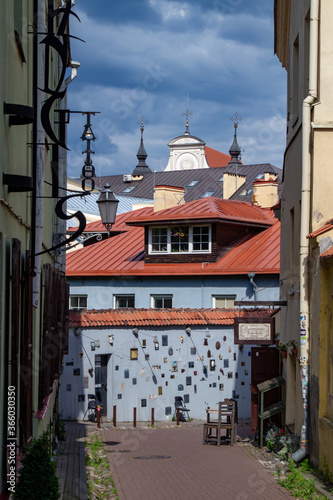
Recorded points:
(168,197)
(265,192)
(231,183)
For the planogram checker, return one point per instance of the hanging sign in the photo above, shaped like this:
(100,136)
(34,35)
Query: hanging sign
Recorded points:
(254,331)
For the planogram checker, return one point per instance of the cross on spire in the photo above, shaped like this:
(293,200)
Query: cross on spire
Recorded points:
(236,119)
(142,122)
(187,113)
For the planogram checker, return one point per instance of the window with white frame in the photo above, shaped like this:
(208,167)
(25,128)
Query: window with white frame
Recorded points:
(161,301)
(180,239)
(224,301)
(78,301)
(124,301)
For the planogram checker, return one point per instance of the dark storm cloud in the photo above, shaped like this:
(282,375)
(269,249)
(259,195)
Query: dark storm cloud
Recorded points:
(141,58)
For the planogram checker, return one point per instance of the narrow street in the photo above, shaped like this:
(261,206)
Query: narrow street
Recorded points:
(171,462)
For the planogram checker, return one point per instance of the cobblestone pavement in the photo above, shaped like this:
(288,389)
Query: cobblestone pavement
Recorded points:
(171,462)
(70,463)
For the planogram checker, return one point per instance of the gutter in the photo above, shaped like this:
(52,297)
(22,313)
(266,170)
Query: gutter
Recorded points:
(308,103)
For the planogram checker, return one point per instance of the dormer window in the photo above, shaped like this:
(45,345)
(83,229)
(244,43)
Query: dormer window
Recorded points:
(180,239)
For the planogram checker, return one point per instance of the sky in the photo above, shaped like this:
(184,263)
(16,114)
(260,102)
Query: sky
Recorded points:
(151,57)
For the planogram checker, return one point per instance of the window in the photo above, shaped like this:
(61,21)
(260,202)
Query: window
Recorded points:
(159,239)
(128,189)
(161,301)
(208,194)
(201,238)
(224,301)
(180,239)
(246,192)
(192,183)
(124,301)
(78,301)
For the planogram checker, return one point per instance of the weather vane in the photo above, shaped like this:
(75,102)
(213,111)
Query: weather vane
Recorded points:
(236,119)
(187,113)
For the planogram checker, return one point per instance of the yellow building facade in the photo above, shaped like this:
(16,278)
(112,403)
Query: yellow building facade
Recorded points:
(303,44)
(33,288)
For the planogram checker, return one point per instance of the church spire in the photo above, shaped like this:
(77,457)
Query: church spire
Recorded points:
(141,155)
(235,150)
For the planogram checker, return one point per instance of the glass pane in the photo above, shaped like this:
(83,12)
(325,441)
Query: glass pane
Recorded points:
(82,302)
(179,239)
(74,302)
(125,301)
(159,239)
(168,302)
(158,302)
(130,302)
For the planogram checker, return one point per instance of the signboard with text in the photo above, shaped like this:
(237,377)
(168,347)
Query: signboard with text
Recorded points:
(254,331)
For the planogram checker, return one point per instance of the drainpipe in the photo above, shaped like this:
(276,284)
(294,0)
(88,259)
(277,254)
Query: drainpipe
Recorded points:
(305,227)
(255,288)
(39,149)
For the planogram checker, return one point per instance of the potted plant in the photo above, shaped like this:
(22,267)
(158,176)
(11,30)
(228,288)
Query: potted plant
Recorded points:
(277,339)
(283,348)
(293,345)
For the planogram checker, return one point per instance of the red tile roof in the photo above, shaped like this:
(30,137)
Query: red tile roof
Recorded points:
(215,158)
(328,254)
(321,230)
(122,255)
(208,208)
(160,317)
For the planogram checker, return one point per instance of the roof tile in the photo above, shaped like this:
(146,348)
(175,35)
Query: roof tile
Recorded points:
(160,317)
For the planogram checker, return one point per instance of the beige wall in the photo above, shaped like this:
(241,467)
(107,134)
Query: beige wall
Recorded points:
(16,87)
(294,34)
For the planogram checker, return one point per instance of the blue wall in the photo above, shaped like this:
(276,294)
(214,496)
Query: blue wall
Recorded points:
(130,383)
(186,291)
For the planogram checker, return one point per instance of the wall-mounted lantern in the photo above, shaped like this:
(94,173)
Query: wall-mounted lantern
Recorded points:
(107,204)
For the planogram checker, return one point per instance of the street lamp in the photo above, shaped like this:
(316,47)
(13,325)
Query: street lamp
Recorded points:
(107,204)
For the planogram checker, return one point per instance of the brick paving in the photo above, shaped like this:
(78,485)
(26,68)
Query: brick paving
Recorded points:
(193,471)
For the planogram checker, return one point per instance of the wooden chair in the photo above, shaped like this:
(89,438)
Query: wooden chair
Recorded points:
(221,425)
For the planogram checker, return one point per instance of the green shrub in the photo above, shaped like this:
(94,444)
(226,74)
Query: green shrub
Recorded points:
(60,429)
(37,477)
(298,486)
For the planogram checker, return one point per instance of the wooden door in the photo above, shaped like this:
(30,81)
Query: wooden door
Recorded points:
(265,364)
(101,376)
